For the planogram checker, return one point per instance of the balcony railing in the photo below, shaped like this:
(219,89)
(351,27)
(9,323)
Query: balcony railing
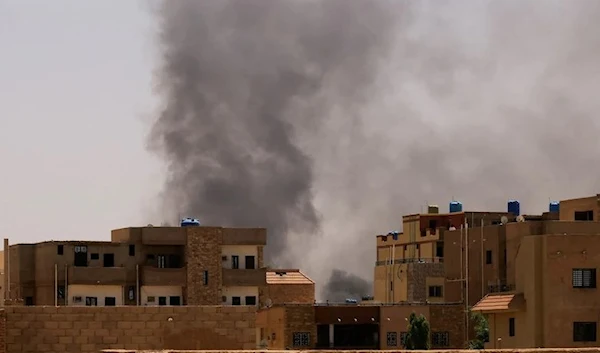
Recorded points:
(503,287)
(244,278)
(96,275)
(155,276)
(406,261)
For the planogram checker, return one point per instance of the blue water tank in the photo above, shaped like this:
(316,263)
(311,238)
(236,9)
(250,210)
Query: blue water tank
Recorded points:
(394,234)
(554,206)
(455,206)
(514,207)
(190,222)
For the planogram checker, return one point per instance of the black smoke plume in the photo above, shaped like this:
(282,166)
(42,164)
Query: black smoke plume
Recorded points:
(326,120)
(238,78)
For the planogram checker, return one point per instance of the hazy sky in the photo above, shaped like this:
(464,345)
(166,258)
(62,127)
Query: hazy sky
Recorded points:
(75,88)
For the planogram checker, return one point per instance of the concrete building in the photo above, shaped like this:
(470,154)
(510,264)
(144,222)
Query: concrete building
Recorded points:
(148,266)
(364,327)
(534,277)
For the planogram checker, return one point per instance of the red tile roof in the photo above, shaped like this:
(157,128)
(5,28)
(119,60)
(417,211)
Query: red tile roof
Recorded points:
(500,302)
(287,277)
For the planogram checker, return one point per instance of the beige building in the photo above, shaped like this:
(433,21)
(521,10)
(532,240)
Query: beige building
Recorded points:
(148,266)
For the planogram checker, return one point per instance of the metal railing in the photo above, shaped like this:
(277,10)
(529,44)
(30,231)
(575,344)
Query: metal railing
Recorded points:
(405,261)
(502,287)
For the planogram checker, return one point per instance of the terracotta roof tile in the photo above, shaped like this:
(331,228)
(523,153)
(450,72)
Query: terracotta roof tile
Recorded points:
(287,277)
(500,302)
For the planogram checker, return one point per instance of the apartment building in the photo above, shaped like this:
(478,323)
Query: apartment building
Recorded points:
(552,298)
(412,266)
(188,265)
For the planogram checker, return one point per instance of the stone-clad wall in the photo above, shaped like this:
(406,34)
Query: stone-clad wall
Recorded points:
(203,256)
(417,274)
(91,329)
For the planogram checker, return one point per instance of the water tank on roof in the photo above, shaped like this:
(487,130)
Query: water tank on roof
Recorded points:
(455,206)
(554,206)
(433,209)
(514,207)
(394,234)
(190,222)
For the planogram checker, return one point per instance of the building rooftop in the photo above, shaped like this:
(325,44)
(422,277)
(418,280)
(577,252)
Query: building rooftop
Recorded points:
(287,276)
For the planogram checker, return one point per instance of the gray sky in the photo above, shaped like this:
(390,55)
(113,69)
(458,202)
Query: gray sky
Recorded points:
(75,88)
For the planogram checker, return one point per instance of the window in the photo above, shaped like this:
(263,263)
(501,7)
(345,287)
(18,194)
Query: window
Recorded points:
(60,249)
(110,301)
(250,300)
(511,327)
(91,301)
(432,224)
(392,339)
(28,301)
(131,250)
(403,336)
(439,249)
(435,291)
(60,292)
(174,261)
(488,257)
(584,278)
(109,260)
(584,331)
(81,259)
(131,293)
(584,215)
(236,301)
(175,300)
(94,256)
(162,301)
(417,246)
(301,339)
(440,339)
(250,263)
(206,278)
(161,261)
(151,299)
(235,262)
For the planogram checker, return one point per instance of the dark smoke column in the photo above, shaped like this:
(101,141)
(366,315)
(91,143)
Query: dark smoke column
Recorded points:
(237,78)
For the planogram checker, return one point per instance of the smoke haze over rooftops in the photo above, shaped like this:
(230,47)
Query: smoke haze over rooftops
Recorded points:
(326,121)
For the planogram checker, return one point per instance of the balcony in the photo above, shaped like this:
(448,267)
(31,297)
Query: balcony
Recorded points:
(502,287)
(433,260)
(97,275)
(164,236)
(244,278)
(244,236)
(154,276)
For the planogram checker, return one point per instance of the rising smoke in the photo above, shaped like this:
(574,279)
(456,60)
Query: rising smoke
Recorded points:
(327,120)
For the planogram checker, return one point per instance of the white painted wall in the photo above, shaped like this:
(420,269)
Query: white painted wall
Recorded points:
(242,251)
(242,292)
(98,291)
(160,291)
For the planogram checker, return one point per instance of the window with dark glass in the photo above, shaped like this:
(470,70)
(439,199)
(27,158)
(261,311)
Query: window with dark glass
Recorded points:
(584,331)
(584,278)
(511,327)
(236,301)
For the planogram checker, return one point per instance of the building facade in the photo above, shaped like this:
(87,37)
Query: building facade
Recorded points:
(147,266)
(364,327)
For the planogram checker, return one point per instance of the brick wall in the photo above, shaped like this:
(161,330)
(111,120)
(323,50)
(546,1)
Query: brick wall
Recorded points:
(300,318)
(417,274)
(203,253)
(549,350)
(91,329)
(451,319)
(288,293)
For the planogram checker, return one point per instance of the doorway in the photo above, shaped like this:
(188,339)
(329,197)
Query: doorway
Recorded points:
(80,259)
(109,260)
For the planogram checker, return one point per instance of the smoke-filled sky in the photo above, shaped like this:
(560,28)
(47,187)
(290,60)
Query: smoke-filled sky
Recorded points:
(375,108)
(327,120)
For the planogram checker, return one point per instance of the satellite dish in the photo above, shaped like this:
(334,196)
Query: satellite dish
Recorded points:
(504,220)
(149,225)
(520,219)
(268,303)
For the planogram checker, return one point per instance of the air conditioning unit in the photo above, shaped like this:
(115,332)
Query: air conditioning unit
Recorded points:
(77,299)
